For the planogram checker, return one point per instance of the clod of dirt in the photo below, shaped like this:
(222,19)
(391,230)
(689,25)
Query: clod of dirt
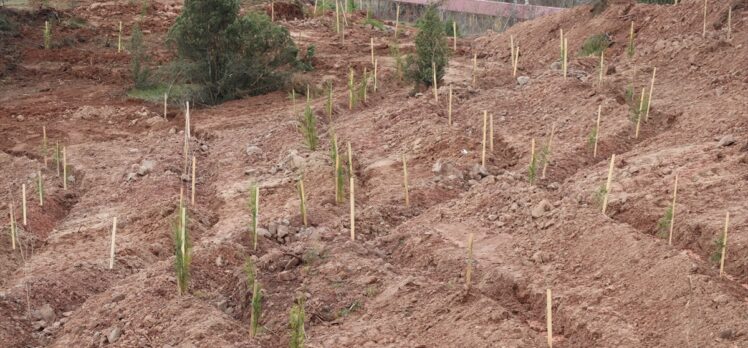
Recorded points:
(114,334)
(727,140)
(540,209)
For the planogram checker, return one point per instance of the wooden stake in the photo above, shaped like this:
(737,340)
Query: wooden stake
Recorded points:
(272,11)
(672,216)
(449,107)
(40,188)
(350,160)
(631,35)
(397,18)
(566,57)
(57,157)
(365,82)
(119,38)
(64,170)
(548,154)
(302,196)
(375,74)
(372,50)
(549,316)
(194,177)
(639,117)
(350,89)
(724,246)
(703,32)
(405,182)
(111,250)
(337,17)
(256,217)
(166,99)
(12,226)
(181,197)
(475,67)
(490,132)
(23,194)
(483,151)
(44,144)
(511,52)
(436,94)
(607,184)
(469,268)
(602,67)
(337,167)
(597,131)
(353,211)
(315,8)
(183,232)
(651,88)
(454,33)
(729,22)
(516,61)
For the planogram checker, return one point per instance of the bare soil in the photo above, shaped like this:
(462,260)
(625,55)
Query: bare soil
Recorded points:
(615,281)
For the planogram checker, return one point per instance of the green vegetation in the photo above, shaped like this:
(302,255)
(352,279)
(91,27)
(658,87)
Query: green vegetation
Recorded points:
(599,195)
(306,62)
(449,26)
(339,170)
(400,61)
(181,250)
(308,127)
(431,50)
(47,35)
(254,320)
(75,23)
(228,56)
(140,73)
(250,272)
(663,225)
(374,23)
(594,45)
(592,137)
(532,170)
(296,324)
(346,311)
(7,25)
(719,244)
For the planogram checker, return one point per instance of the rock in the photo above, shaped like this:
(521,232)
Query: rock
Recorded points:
(263,232)
(154,121)
(204,147)
(71,179)
(293,161)
(173,130)
(556,65)
(539,209)
(369,280)
(492,217)
(478,171)
(114,334)
(523,80)
(727,140)
(131,177)
(219,261)
(282,231)
(721,299)
(286,276)
(446,169)
(145,167)
(45,313)
(117,298)
(252,150)
(727,334)
(20,118)
(273,229)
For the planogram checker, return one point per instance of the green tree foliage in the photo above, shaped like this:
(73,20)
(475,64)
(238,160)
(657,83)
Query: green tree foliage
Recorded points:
(228,56)
(431,48)
(140,73)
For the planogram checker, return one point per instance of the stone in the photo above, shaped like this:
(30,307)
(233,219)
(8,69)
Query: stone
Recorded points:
(114,334)
(523,80)
(173,130)
(145,167)
(263,232)
(282,231)
(20,118)
(478,171)
(727,140)
(154,121)
(540,209)
(492,217)
(219,261)
(252,150)
(45,313)
(721,299)
(131,177)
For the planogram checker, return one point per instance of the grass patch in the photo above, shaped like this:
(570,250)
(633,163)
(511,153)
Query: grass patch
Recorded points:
(594,45)
(374,23)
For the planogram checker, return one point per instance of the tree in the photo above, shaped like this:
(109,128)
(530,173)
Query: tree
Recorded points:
(431,50)
(224,56)
(140,73)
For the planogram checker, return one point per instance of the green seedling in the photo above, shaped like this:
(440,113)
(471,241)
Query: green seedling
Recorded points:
(400,61)
(254,320)
(57,156)
(339,170)
(250,272)
(532,170)
(719,244)
(594,45)
(296,324)
(599,195)
(254,206)
(663,225)
(308,126)
(181,250)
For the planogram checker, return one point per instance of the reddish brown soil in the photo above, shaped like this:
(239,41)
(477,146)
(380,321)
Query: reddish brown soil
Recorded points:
(401,283)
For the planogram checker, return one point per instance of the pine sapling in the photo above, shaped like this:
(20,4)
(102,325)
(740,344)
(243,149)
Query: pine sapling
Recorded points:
(250,272)
(533,168)
(308,126)
(254,206)
(296,324)
(663,225)
(254,320)
(45,147)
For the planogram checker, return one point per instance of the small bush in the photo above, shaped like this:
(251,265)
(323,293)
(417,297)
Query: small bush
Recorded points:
(663,225)
(594,45)
(592,137)
(449,26)
(229,56)
(400,61)
(306,62)
(308,127)
(7,25)
(719,244)
(431,50)
(599,195)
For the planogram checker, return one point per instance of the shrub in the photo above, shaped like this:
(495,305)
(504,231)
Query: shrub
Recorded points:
(719,244)
(663,225)
(594,45)
(140,74)
(449,26)
(296,323)
(308,126)
(305,63)
(7,25)
(431,49)
(230,56)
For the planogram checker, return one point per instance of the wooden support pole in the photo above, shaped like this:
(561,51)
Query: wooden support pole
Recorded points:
(376,61)
(371,44)
(597,131)
(57,157)
(566,57)
(44,145)
(703,31)
(469,267)
(602,68)
(194,179)
(672,213)
(724,246)
(729,22)
(111,250)
(272,11)
(256,215)
(337,17)
(119,38)
(449,107)
(436,88)
(485,130)
(183,232)
(405,182)
(397,18)
(607,183)
(639,114)
(454,34)
(12,226)
(490,132)
(350,160)
(64,169)
(353,210)
(511,50)
(651,88)
(166,101)
(40,187)
(23,194)
(549,316)
(475,68)
(516,61)
(302,197)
